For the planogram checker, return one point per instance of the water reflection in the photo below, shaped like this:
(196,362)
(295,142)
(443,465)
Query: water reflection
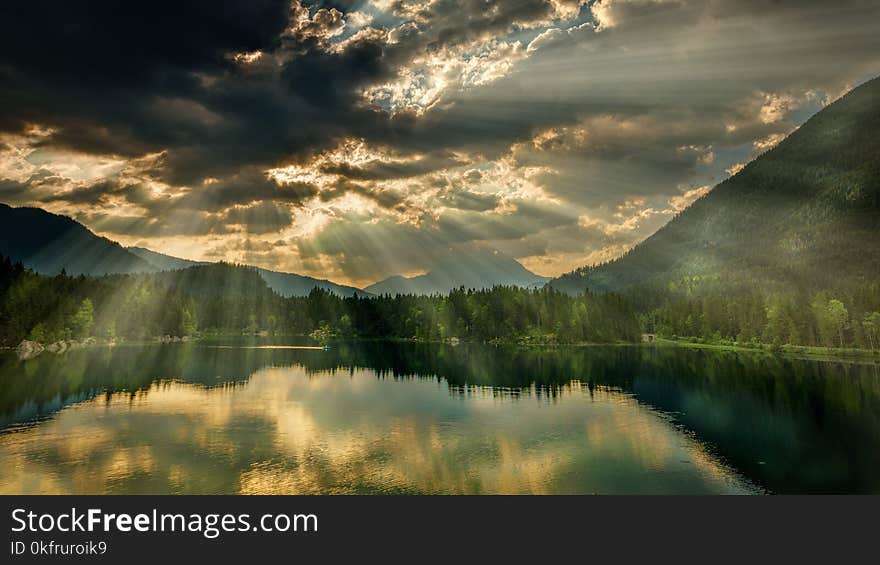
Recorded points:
(378,417)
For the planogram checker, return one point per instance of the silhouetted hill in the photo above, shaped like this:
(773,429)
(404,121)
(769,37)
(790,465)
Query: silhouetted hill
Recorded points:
(805,214)
(48,243)
(289,284)
(472,268)
(285,284)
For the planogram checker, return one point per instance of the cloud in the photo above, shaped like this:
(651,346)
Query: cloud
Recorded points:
(12,191)
(389,168)
(366,135)
(265,217)
(246,187)
(547,37)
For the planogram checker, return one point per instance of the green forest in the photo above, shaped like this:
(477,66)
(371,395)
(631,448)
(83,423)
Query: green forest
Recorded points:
(726,311)
(224,299)
(230,299)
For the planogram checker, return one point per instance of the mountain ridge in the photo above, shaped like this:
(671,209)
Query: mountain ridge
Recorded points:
(806,212)
(285,284)
(471,268)
(53,243)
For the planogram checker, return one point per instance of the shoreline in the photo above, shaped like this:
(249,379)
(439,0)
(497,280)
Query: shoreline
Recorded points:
(793,351)
(797,351)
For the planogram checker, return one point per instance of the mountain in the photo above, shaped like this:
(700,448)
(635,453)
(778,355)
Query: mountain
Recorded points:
(289,284)
(285,284)
(804,215)
(162,262)
(49,243)
(475,268)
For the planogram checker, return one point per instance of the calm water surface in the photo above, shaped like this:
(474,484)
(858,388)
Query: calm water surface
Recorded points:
(403,418)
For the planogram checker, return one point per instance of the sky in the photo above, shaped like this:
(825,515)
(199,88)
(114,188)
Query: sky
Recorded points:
(354,140)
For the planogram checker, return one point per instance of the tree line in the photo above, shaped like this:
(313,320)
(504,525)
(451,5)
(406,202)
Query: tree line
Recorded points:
(232,299)
(229,299)
(742,312)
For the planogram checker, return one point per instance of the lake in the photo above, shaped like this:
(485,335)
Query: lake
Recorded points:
(372,417)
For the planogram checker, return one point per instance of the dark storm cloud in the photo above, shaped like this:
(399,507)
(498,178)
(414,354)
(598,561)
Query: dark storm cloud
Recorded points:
(170,220)
(526,219)
(12,191)
(93,194)
(42,186)
(247,187)
(700,56)
(260,218)
(94,66)
(248,199)
(114,79)
(454,22)
(630,101)
(328,80)
(112,42)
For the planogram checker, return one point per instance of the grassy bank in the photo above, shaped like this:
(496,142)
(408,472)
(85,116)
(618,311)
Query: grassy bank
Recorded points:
(804,351)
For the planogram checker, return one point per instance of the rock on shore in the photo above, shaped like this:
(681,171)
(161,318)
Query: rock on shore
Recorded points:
(29,349)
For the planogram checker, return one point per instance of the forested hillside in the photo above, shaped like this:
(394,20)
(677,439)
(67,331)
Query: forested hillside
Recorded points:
(787,250)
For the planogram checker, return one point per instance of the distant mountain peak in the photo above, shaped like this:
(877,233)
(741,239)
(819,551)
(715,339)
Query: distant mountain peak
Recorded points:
(468,266)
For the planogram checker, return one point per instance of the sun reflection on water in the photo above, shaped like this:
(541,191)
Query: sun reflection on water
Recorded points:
(288,430)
